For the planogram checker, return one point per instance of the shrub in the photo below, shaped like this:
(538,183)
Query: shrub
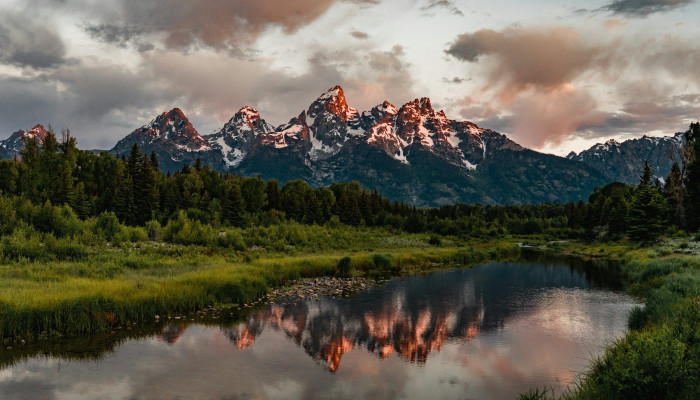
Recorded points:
(67,250)
(381,261)
(343,267)
(61,221)
(232,238)
(107,225)
(637,319)
(434,240)
(152,230)
(644,365)
(182,230)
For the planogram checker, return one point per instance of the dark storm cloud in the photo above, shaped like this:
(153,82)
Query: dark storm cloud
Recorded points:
(444,4)
(25,42)
(224,25)
(99,104)
(115,34)
(643,7)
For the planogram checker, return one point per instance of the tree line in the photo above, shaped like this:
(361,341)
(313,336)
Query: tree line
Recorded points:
(134,189)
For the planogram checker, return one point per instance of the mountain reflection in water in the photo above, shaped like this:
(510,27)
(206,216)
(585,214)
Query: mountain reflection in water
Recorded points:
(400,318)
(487,332)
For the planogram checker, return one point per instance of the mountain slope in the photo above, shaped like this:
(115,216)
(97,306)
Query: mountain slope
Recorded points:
(10,147)
(411,153)
(236,138)
(174,140)
(624,161)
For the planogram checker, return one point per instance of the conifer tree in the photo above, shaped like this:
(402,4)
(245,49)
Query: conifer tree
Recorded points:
(65,192)
(123,199)
(145,192)
(233,207)
(647,215)
(272,192)
(80,202)
(154,160)
(692,176)
(673,192)
(365,207)
(253,191)
(312,213)
(132,163)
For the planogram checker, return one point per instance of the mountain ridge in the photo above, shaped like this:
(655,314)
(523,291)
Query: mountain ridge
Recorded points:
(622,161)
(412,153)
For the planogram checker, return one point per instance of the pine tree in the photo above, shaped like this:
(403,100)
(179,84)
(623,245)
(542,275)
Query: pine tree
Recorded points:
(80,202)
(233,207)
(272,191)
(645,179)
(132,163)
(253,191)
(123,199)
(312,213)
(647,214)
(365,206)
(145,192)
(154,160)
(65,192)
(692,176)
(673,192)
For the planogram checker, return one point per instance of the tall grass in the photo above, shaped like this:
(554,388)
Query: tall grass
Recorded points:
(659,358)
(114,286)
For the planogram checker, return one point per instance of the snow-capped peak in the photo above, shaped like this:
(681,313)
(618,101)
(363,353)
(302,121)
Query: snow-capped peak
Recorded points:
(336,91)
(37,133)
(172,126)
(332,101)
(248,113)
(387,108)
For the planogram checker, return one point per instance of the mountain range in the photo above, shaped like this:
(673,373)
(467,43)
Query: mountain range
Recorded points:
(412,153)
(621,161)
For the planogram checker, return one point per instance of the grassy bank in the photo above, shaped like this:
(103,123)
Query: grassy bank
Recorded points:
(659,358)
(135,281)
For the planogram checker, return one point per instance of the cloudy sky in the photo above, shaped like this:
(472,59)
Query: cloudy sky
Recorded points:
(555,75)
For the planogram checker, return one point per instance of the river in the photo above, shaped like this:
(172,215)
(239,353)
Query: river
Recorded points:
(488,332)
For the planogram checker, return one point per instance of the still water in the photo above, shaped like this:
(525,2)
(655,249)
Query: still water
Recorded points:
(488,332)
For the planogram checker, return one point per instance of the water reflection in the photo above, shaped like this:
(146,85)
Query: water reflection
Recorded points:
(487,332)
(417,315)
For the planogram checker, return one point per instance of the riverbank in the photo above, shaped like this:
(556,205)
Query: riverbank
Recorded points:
(660,355)
(120,286)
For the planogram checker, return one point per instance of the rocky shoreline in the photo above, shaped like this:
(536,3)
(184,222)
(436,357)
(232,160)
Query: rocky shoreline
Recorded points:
(313,289)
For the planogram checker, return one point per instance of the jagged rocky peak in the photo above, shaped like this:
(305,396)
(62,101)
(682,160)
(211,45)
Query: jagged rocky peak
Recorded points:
(292,134)
(378,113)
(623,161)
(38,133)
(332,101)
(248,119)
(12,146)
(169,131)
(175,126)
(332,122)
(416,122)
(235,140)
(386,108)
(417,108)
(248,115)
